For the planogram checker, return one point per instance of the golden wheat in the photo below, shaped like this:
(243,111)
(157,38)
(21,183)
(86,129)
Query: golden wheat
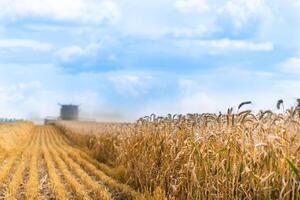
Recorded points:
(197,156)
(236,155)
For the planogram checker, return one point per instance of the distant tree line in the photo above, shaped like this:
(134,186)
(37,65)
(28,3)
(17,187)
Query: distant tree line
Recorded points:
(9,120)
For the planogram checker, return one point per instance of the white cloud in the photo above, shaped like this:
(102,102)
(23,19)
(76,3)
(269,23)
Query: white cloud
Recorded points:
(66,54)
(189,32)
(242,10)
(227,45)
(37,94)
(69,53)
(47,28)
(190,5)
(12,95)
(129,84)
(194,98)
(112,57)
(292,65)
(137,22)
(94,11)
(197,102)
(155,19)
(79,30)
(25,43)
(29,85)
(289,90)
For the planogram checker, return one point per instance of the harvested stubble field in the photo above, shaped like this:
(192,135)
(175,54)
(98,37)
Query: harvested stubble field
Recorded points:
(46,166)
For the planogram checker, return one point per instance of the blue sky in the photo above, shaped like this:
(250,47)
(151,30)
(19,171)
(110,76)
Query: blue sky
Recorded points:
(121,60)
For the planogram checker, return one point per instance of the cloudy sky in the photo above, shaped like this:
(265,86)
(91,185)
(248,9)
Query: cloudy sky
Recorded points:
(122,59)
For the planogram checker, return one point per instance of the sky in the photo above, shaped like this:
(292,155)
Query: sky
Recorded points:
(123,59)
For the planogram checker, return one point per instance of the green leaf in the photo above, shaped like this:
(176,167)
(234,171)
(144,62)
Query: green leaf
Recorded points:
(294,169)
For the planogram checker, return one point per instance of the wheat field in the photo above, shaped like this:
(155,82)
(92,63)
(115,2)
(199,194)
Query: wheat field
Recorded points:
(237,155)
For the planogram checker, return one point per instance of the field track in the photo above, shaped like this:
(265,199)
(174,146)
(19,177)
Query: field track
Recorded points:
(49,167)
